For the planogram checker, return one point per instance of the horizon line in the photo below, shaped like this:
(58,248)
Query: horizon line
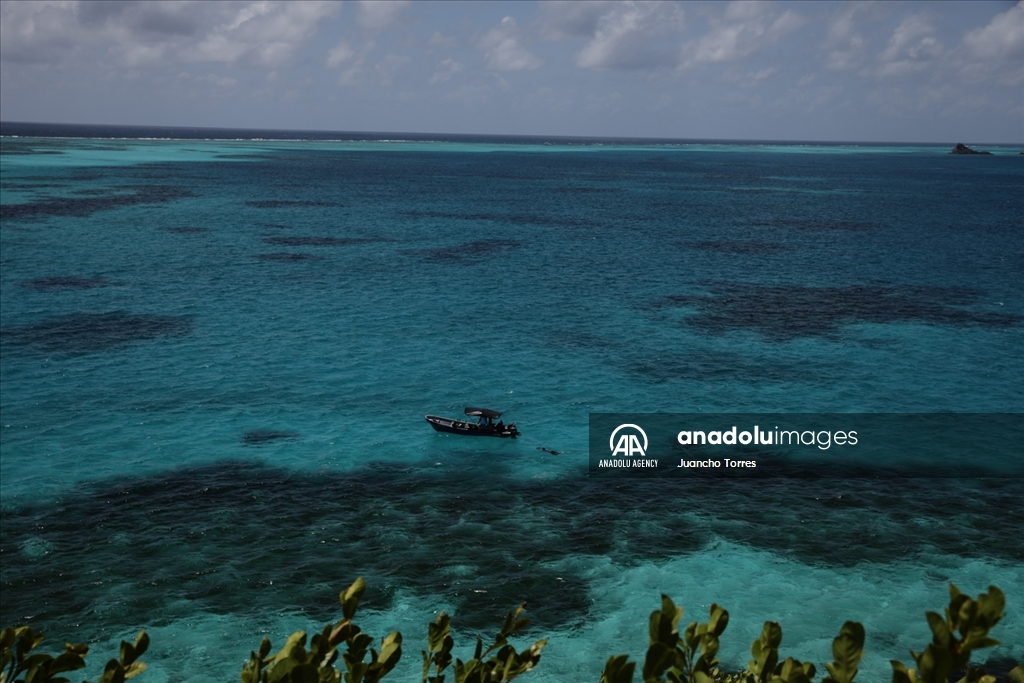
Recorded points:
(434,136)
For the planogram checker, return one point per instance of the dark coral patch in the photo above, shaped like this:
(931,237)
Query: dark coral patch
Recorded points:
(712,366)
(561,221)
(86,206)
(256,437)
(235,537)
(92,192)
(286,204)
(321,241)
(286,257)
(14,146)
(47,284)
(467,252)
(187,230)
(87,332)
(585,189)
(737,247)
(817,224)
(788,311)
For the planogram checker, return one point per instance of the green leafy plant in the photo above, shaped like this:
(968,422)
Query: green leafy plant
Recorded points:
(847,651)
(972,619)
(293,663)
(765,666)
(506,664)
(671,655)
(16,645)
(691,656)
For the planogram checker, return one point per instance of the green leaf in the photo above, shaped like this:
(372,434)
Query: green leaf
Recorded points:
(134,669)
(1016,675)
(669,609)
(900,672)
(350,597)
(113,672)
(940,630)
(977,642)
(8,636)
(659,657)
(305,673)
(719,619)
(934,665)
(390,653)
(991,606)
(847,651)
(437,631)
(141,643)
(771,634)
(67,661)
(967,614)
(793,671)
(618,670)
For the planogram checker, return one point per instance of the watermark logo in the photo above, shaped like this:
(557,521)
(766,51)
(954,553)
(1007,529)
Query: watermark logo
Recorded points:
(628,444)
(813,445)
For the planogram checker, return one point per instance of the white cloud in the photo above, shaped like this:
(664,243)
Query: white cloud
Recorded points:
(140,55)
(249,13)
(912,47)
(619,35)
(361,70)
(219,81)
(1002,38)
(845,44)
(562,19)
(744,29)
(128,34)
(263,34)
(627,35)
(445,70)
(389,67)
(36,32)
(340,53)
(441,40)
(996,50)
(378,14)
(504,51)
(755,76)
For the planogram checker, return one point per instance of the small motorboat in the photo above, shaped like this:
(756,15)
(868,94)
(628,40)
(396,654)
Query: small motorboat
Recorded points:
(484,425)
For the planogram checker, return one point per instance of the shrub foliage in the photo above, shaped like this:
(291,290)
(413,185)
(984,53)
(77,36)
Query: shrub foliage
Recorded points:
(673,656)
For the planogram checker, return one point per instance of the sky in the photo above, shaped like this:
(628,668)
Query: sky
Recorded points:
(830,71)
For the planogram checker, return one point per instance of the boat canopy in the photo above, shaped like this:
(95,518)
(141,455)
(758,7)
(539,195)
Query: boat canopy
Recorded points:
(484,412)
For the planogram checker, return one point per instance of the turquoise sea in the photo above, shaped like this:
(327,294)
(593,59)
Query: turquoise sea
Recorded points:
(216,356)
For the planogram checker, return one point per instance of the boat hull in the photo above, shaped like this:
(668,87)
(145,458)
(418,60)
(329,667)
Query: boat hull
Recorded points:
(450,426)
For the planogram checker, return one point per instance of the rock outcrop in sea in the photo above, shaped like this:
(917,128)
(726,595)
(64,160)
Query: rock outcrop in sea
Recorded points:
(961,148)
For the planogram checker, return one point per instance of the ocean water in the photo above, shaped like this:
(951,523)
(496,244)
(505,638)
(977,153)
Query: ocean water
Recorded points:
(216,355)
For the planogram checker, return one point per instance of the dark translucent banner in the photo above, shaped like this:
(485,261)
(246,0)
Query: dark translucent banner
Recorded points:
(758,446)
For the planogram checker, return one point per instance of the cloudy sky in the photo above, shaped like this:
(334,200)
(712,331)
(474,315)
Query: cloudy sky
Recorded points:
(862,71)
